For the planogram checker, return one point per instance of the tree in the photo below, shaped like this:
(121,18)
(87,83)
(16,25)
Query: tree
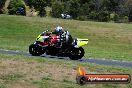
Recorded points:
(57,8)
(98,10)
(129,5)
(74,8)
(2,3)
(15,6)
(103,16)
(39,5)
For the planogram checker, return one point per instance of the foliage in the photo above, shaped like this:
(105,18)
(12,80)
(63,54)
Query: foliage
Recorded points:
(2,3)
(39,5)
(116,18)
(14,7)
(103,16)
(57,8)
(97,10)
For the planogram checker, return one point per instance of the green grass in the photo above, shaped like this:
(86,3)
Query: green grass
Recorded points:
(10,77)
(106,40)
(39,72)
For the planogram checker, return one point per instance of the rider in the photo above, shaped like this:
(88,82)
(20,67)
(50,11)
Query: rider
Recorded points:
(65,37)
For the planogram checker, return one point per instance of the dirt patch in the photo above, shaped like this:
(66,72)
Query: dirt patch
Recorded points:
(32,70)
(22,85)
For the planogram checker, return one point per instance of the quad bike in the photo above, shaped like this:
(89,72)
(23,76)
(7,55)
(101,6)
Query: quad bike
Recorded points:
(51,44)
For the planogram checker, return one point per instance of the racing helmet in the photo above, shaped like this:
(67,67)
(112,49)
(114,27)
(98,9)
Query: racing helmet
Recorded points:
(59,30)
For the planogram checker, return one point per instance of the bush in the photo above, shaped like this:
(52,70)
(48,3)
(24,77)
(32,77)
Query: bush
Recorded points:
(57,8)
(103,16)
(74,8)
(1,11)
(38,5)
(116,18)
(93,15)
(82,18)
(121,19)
(15,8)
(2,3)
(48,11)
(42,12)
(126,19)
(112,16)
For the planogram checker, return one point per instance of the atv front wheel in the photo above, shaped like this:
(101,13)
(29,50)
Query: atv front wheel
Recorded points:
(35,50)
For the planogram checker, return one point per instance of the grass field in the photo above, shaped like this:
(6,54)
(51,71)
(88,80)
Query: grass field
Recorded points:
(40,72)
(106,40)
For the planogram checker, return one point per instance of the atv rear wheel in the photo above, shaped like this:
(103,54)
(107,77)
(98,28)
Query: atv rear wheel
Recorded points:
(35,50)
(76,53)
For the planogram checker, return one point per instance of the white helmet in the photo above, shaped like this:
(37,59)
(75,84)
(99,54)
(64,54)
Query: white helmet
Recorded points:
(59,29)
